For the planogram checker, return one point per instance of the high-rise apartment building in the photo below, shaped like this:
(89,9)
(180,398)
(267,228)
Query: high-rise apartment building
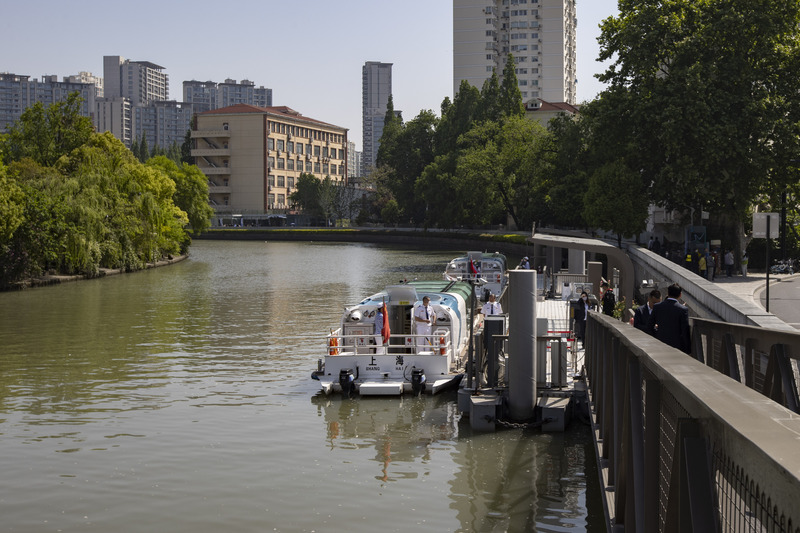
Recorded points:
(376,86)
(540,34)
(208,95)
(142,82)
(162,123)
(253,156)
(18,92)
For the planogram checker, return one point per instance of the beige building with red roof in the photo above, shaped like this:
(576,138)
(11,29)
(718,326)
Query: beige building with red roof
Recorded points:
(253,156)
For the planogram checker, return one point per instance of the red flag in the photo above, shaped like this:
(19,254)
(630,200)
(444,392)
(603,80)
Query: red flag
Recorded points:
(472,268)
(386,331)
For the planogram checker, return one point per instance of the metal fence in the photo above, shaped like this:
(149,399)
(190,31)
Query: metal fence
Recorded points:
(766,358)
(682,447)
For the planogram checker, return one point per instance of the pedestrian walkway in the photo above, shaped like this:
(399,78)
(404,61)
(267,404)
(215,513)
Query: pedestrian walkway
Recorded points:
(784,293)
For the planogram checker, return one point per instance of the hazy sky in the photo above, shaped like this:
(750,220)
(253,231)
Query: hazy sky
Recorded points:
(309,52)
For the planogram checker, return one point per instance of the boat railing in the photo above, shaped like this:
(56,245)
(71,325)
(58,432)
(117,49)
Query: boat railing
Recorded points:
(399,344)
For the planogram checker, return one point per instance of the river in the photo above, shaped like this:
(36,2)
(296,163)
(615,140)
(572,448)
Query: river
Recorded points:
(179,399)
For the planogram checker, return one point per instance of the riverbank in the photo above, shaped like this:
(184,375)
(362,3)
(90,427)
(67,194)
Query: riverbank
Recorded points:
(56,279)
(504,242)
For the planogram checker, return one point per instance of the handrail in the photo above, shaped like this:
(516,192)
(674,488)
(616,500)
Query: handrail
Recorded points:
(766,358)
(682,447)
(351,344)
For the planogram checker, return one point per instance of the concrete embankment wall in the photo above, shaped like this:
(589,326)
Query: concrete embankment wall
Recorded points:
(420,238)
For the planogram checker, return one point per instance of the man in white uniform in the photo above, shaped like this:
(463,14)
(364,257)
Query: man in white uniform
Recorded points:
(425,319)
(492,307)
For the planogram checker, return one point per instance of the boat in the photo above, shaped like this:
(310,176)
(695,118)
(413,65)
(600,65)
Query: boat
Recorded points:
(487,271)
(357,361)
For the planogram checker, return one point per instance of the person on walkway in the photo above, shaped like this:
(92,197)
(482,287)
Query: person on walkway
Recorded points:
(669,321)
(609,299)
(745,260)
(729,263)
(524,264)
(492,307)
(711,265)
(641,317)
(425,319)
(702,265)
(581,313)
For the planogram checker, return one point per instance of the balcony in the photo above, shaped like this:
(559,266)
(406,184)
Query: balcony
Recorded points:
(215,171)
(213,152)
(218,189)
(199,134)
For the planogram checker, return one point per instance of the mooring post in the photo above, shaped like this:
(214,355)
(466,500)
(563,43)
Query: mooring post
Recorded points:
(522,344)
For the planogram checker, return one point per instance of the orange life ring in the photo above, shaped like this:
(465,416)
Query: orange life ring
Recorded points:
(333,344)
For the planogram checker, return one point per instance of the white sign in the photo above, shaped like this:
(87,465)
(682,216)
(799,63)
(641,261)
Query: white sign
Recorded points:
(760,225)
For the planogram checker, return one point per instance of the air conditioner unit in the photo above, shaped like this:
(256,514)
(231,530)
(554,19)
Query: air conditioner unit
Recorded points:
(279,153)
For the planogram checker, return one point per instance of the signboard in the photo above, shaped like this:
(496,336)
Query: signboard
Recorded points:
(760,225)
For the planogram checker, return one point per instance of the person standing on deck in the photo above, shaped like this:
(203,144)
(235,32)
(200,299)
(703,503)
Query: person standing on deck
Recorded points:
(424,319)
(491,307)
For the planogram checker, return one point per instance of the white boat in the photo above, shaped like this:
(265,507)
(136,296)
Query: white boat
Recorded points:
(487,271)
(359,361)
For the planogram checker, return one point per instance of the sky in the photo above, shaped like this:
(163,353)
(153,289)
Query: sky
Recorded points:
(309,53)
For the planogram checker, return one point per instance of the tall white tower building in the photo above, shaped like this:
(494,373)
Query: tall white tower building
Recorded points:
(376,86)
(540,34)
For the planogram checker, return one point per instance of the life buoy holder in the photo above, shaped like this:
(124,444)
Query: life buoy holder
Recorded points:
(441,345)
(333,344)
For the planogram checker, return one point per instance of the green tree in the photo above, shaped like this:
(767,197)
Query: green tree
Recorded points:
(186,149)
(144,149)
(307,194)
(510,98)
(44,135)
(191,191)
(615,200)
(702,89)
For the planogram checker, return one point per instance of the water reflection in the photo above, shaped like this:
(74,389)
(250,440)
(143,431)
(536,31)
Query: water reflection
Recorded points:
(180,399)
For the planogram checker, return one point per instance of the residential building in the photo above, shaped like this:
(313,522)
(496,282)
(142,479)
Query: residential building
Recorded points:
(540,34)
(114,115)
(376,87)
(88,77)
(208,95)
(18,92)
(253,156)
(142,82)
(161,123)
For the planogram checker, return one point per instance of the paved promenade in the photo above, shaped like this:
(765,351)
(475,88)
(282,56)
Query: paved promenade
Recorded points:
(784,293)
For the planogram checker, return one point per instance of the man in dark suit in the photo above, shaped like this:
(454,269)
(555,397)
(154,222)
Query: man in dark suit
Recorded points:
(669,321)
(641,317)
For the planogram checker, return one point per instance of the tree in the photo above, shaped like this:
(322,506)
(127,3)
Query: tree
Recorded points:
(615,200)
(44,135)
(186,149)
(703,91)
(307,194)
(191,191)
(144,150)
(510,98)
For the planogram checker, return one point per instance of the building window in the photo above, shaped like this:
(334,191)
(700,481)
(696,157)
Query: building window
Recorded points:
(325,168)
(271,162)
(281,199)
(308,148)
(290,146)
(341,170)
(324,151)
(341,153)
(308,166)
(300,148)
(290,182)
(333,169)
(225,126)
(270,144)
(290,164)
(316,151)
(281,163)
(316,168)
(281,181)
(280,144)
(270,200)
(271,181)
